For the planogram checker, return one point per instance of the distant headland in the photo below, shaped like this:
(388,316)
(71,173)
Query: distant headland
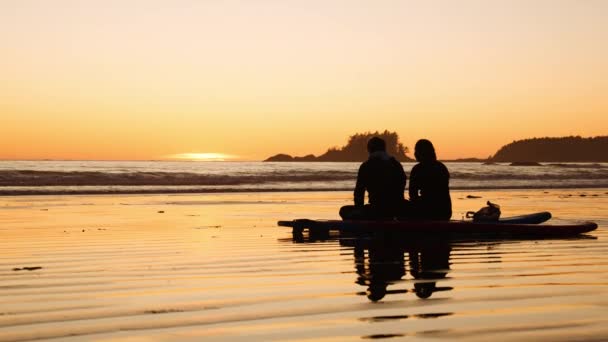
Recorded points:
(520,152)
(355,150)
(564,149)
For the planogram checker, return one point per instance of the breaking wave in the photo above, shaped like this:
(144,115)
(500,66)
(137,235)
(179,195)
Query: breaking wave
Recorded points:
(25,178)
(86,178)
(578,166)
(583,175)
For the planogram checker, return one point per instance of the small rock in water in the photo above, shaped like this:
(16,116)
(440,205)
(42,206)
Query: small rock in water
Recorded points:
(206,227)
(27,268)
(83,230)
(525,163)
(473,196)
(163,311)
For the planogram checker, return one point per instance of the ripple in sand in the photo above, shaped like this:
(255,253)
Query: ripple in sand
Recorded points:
(164,311)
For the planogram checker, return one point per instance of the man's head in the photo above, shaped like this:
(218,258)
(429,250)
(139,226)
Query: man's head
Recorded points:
(376,144)
(424,151)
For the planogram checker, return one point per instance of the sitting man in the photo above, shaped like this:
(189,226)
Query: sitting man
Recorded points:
(384,179)
(429,185)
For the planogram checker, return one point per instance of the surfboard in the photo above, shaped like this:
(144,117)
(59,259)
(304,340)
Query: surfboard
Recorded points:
(534,218)
(441,228)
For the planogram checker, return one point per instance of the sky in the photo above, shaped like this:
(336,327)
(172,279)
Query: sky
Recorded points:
(155,79)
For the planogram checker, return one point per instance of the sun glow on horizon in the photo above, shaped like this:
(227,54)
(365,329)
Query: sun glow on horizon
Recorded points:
(203,156)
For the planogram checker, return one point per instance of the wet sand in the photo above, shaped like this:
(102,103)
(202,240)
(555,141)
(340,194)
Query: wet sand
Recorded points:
(216,267)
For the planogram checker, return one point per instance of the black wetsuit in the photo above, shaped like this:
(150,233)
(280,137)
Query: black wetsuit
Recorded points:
(382,176)
(430,191)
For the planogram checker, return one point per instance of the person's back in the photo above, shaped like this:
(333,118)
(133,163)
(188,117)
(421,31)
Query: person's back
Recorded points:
(384,179)
(382,176)
(429,185)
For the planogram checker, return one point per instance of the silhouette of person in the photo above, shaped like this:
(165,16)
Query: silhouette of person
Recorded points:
(430,262)
(383,178)
(384,264)
(429,185)
(383,267)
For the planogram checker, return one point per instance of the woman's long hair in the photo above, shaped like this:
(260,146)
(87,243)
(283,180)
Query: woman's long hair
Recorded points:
(424,151)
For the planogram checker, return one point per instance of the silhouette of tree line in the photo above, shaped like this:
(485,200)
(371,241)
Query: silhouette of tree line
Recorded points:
(564,149)
(547,149)
(355,149)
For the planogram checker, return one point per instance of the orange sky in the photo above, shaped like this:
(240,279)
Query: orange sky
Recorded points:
(148,79)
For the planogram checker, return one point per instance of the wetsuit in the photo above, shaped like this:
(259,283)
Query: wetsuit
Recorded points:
(383,178)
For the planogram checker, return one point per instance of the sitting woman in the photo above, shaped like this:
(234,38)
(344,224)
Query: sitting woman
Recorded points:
(429,188)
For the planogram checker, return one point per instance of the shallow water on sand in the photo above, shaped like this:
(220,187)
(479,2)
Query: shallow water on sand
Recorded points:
(216,267)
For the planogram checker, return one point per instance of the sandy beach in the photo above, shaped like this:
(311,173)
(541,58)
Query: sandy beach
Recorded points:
(216,267)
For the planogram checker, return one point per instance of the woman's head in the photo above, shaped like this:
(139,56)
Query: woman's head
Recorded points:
(424,151)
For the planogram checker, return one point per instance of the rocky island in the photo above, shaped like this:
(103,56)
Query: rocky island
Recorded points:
(564,149)
(527,152)
(355,150)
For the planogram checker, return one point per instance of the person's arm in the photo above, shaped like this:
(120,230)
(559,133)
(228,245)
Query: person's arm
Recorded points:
(414,187)
(360,187)
(402,177)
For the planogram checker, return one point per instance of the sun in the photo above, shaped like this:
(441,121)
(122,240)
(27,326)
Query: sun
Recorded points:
(203,156)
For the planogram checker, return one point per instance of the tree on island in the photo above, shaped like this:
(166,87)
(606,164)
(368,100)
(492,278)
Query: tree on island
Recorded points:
(355,149)
(565,149)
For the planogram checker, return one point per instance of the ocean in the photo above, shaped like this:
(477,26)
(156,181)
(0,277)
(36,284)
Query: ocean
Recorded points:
(140,177)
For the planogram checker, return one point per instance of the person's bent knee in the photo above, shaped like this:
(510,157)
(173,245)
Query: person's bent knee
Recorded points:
(347,212)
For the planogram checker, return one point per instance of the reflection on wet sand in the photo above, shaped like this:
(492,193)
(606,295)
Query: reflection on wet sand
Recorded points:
(382,262)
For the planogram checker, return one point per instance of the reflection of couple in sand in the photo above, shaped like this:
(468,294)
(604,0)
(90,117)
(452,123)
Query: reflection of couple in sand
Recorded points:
(385,264)
(384,179)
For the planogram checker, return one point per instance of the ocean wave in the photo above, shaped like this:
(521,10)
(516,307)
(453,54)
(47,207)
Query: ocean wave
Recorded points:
(35,178)
(93,178)
(578,166)
(134,190)
(580,175)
